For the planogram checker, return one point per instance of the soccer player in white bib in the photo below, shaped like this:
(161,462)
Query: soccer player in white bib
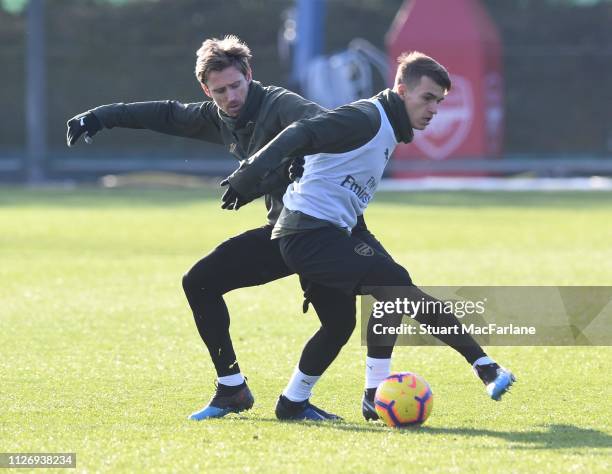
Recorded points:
(345,153)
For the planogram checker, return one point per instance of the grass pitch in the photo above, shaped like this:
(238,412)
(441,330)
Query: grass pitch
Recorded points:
(100,356)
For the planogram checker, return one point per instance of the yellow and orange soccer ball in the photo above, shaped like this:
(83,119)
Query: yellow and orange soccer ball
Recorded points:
(403,399)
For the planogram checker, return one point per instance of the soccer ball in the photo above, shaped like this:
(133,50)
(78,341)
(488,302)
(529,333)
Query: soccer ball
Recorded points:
(403,399)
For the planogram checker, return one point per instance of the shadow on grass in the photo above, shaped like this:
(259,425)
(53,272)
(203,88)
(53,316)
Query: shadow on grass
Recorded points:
(550,437)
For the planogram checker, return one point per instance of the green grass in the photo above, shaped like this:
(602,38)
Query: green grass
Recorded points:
(100,356)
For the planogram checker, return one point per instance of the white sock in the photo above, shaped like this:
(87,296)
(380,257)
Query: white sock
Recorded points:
(376,371)
(483,361)
(231,380)
(300,386)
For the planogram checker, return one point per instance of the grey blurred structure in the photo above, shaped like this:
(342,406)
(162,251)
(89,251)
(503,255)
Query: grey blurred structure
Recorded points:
(61,58)
(346,76)
(36,101)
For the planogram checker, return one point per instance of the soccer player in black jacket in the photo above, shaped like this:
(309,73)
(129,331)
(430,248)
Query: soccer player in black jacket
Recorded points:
(243,115)
(346,151)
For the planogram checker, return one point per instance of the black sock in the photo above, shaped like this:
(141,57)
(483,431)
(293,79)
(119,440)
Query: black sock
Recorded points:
(369,393)
(230,389)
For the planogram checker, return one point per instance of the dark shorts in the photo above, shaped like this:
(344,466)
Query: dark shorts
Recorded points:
(248,259)
(331,257)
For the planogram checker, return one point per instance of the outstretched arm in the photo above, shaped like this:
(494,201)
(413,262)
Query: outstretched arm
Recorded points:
(198,120)
(336,131)
(290,108)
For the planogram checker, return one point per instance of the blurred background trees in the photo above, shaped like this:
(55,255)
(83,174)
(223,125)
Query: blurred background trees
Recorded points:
(557,62)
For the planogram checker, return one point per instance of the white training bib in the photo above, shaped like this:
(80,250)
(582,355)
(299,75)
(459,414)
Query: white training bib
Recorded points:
(337,187)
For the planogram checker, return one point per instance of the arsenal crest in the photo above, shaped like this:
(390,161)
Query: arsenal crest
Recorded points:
(364,250)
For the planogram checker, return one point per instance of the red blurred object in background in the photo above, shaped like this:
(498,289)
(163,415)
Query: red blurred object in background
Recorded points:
(460,35)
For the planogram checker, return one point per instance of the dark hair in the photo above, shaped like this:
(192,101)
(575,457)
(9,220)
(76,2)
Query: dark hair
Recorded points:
(414,65)
(216,55)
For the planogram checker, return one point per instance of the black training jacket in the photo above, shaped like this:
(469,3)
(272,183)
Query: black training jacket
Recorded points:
(336,131)
(267,111)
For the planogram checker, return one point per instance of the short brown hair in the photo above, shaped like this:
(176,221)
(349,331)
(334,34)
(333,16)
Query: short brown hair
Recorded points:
(216,55)
(414,65)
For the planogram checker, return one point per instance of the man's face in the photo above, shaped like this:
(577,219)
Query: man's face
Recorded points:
(421,101)
(228,88)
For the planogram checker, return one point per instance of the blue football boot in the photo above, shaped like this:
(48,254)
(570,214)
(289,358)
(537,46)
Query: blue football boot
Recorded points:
(368,408)
(226,400)
(288,410)
(497,380)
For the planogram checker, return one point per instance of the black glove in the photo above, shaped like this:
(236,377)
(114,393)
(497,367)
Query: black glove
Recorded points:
(296,168)
(231,199)
(86,123)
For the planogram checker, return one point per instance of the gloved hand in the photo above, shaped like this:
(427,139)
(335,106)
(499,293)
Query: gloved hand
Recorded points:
(296,168)
(231,199)
(86,123)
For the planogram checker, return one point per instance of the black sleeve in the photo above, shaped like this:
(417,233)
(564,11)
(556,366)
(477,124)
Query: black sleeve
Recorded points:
(293,107)
(289,107)
(336,131)
(198,120)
